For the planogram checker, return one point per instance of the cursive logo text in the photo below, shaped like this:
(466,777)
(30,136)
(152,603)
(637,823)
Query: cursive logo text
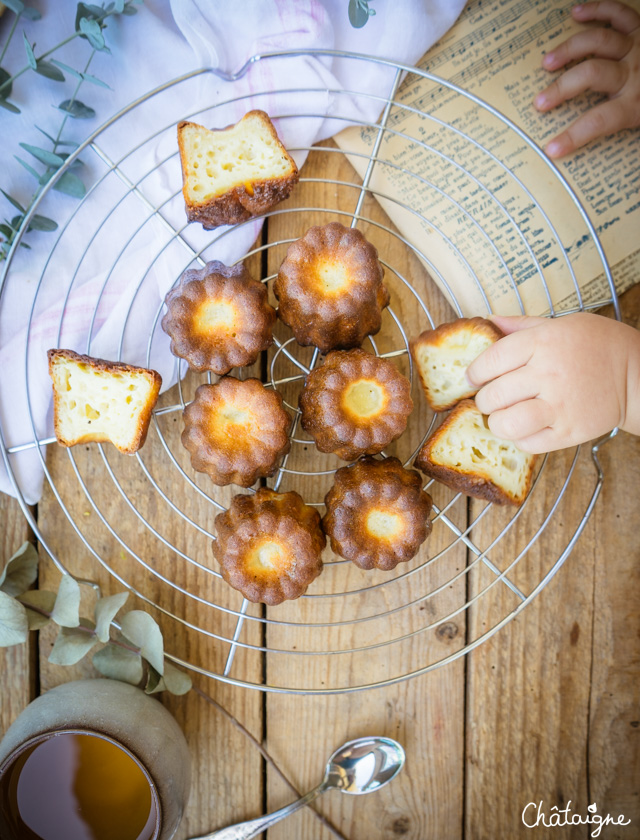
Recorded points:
(533,815)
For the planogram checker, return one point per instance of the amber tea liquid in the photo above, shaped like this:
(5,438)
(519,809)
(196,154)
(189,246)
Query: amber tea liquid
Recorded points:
(77,786)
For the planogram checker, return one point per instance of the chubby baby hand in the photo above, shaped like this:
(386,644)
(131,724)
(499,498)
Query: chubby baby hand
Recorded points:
(554,383)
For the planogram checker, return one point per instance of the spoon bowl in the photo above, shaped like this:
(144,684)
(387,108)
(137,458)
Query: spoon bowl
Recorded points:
(364,765)
(359,766)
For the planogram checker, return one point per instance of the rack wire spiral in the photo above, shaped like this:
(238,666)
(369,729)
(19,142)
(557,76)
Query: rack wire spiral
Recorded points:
(355,624)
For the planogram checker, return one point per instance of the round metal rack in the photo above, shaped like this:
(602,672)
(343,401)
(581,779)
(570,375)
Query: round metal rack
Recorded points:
(465,208)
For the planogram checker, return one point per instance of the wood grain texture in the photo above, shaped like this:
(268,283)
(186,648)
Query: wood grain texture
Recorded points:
(552,700)
(528,686)
(614,713)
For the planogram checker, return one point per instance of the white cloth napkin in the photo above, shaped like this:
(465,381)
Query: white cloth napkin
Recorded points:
(164,41)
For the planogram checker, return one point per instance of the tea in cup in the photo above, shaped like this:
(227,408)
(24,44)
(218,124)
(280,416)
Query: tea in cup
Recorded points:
(93,760)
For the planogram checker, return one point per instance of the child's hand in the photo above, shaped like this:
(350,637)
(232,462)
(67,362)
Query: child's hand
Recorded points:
(553,383)
(612,66)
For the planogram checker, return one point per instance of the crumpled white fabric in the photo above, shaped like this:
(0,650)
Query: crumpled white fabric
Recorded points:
(133,260)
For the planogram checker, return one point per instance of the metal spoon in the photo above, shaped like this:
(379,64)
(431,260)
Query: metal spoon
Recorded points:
(359,766)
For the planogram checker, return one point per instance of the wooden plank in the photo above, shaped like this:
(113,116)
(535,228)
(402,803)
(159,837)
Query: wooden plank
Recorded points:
(17,664)
(115,530)
(425,714)
(528,686)
(614,728)
(553,701)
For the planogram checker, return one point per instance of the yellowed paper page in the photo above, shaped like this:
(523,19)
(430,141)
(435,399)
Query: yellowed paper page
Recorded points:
(485,210)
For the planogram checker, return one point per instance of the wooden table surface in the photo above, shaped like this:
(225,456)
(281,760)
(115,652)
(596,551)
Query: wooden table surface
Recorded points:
(548,709)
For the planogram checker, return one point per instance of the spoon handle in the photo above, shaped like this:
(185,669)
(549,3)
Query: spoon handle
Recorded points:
(246,830)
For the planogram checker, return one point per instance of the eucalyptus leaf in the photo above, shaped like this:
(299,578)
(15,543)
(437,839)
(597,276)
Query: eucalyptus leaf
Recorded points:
(175,680)
(5,230)
(31,14)
(70,184)
(119,664)
(20,9)
(14,626)
(42,223)
(155,682)
(12,201)
(16,221)
(130,10)
(9,106)
(91,30)
(29,168)
(89,11)
(72,644)
(5,77)
(76,109)
(42,131)
(44,156)
(359,13)
(105,612)
(118,6)
(142,631)
(70,143)
(16,6)
(46,176)
(42,600)
(66,68)
(21,571)
(66,611)
(29,50)
(24,245)
(50,71)
(94,80)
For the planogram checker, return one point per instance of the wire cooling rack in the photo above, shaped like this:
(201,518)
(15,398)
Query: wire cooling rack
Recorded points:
(465,211)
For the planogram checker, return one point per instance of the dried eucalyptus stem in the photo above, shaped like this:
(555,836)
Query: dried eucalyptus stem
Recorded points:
(135,654)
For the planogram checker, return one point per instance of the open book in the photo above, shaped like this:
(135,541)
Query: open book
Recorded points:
(496,224)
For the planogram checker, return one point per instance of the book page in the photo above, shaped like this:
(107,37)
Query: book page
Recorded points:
(497,225)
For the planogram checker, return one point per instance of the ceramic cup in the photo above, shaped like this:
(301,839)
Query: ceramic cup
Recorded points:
(152,749)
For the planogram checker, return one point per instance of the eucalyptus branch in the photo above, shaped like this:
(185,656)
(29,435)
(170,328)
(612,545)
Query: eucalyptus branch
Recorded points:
(89,24)
(39,59)
(74,97)
(85,12)
(82,628)
(134,655)
(49,172)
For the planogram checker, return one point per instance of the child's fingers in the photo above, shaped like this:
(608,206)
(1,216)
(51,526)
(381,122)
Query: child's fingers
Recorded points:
(507,390)
(602,43)
(595,74)
(510,353)
(514,323)
(620,16)
(605,118)
(521,421)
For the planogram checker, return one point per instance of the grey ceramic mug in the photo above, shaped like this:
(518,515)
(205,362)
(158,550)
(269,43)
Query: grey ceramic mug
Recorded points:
(123,714)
